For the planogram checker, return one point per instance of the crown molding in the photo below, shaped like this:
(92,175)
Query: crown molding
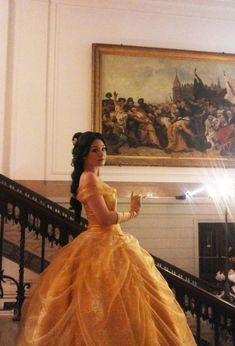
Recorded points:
(210,9)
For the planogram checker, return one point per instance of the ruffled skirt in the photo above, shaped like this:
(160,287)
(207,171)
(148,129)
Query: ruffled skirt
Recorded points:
(103,289)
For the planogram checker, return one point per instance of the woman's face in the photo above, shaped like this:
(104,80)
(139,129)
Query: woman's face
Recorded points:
(97,154)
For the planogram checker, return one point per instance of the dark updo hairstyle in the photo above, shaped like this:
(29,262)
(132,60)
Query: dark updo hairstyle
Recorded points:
(85,141)
(77,135)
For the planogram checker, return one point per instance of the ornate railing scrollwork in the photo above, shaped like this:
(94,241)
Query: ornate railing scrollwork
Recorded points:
(199,298)
(34,217)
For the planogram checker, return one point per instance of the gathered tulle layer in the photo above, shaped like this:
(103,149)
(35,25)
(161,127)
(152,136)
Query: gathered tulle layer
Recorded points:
(103,290)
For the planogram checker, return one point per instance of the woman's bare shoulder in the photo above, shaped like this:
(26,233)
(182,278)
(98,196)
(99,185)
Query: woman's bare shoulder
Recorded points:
(88,178)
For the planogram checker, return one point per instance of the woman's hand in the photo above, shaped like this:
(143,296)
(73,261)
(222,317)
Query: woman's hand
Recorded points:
(135,203)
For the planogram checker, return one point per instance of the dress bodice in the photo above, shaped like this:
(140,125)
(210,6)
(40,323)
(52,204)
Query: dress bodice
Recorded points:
(100,188)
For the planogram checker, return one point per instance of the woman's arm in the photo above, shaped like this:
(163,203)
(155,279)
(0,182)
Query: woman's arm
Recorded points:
(107,217)
(104,216)
(97,205)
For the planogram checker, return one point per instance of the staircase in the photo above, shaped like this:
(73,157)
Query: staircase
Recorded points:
(33,228)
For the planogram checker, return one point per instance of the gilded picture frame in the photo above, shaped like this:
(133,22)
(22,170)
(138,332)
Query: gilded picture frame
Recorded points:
(164,107)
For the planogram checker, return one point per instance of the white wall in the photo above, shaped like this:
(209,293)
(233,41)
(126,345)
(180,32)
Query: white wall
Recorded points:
(168,228)
(48,69)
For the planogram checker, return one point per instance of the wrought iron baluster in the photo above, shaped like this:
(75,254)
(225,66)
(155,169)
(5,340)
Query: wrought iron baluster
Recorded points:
(1,249)
(21,286)
(233,331)
(198,322)
(43,244)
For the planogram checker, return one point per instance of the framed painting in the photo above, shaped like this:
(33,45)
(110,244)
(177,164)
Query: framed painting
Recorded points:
(164,107)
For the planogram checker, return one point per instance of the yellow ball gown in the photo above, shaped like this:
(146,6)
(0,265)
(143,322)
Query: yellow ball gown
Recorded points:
(103,289)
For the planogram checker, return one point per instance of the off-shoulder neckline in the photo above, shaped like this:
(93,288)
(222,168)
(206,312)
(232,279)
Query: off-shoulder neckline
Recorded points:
(99,181)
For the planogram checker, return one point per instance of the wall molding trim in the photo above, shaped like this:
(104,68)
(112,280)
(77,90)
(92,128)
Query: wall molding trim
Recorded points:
(154,174)
(165,174)
(216,9)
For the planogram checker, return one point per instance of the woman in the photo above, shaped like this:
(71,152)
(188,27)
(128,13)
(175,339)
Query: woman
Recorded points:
(103,288)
